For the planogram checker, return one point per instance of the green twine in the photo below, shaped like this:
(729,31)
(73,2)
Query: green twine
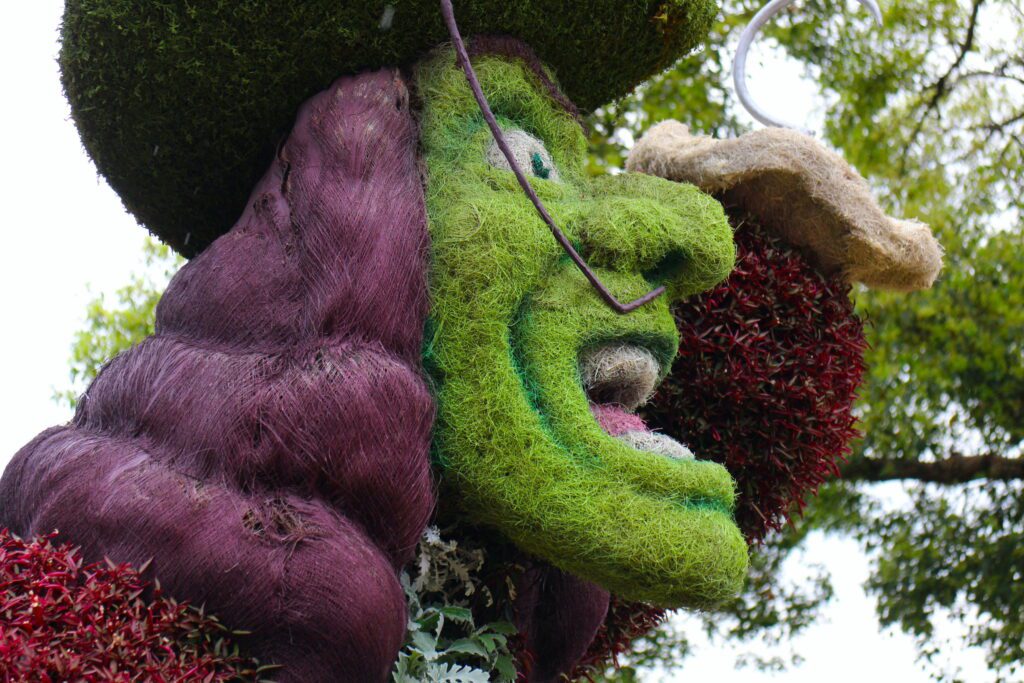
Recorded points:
(539,169)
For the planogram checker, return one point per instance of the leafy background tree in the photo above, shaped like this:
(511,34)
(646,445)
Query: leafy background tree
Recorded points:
(929,107)
(113,326)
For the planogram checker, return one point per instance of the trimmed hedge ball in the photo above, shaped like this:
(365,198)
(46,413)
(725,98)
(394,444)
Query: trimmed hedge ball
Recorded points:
(181,104)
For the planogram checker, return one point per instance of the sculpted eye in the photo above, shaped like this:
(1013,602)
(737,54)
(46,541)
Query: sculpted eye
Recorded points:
(530,154)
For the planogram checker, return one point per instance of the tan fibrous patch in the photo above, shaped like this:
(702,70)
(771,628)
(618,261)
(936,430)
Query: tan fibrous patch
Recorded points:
(803,192)
(277,520)
(653,442)
(623,374)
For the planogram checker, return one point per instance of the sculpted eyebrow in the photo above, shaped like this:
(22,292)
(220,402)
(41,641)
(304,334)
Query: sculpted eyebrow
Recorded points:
(515,49)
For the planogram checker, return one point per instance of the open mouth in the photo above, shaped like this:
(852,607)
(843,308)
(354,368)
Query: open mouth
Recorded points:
(619,378)
(598,491)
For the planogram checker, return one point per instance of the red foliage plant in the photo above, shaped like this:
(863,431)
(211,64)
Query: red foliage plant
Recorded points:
(62,621)
(767,373)
(766,377)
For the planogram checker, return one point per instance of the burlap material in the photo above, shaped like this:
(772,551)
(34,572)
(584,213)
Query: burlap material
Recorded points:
(623,374)
(804,192)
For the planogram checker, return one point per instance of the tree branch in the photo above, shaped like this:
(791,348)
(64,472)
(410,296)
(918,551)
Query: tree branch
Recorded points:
(997,126)
(956,469)
(941,87)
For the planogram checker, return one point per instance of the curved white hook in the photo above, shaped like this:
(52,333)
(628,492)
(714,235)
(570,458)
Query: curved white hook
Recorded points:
(739,65)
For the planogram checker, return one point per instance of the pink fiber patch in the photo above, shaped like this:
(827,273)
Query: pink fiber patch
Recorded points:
(616,420)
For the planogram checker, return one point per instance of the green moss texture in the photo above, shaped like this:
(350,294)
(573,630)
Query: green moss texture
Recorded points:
(180,103)
(511,314)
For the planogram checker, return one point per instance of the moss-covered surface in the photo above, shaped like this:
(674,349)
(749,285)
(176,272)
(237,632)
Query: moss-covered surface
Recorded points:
(511,314)
(180,104)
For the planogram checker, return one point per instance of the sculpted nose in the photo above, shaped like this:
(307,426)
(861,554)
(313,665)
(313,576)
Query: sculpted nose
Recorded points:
(671,233)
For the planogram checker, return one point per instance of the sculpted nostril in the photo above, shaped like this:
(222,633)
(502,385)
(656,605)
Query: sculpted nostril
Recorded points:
(669,269)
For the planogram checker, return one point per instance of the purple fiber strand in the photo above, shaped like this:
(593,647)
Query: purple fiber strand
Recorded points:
(269,446)
(463,59)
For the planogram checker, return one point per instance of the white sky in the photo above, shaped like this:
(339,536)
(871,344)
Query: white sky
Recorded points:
(67,233)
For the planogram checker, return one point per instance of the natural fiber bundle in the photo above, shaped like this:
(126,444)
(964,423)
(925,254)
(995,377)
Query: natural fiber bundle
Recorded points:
(624,623)
(268,447)
(803,192)
(558,616)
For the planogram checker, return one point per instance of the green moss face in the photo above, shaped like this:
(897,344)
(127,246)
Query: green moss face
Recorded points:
(511,316)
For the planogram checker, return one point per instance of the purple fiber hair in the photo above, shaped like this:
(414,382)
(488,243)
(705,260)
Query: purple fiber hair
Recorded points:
(268,446)
(557,615)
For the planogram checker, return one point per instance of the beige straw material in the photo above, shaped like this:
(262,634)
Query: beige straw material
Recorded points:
(807,194)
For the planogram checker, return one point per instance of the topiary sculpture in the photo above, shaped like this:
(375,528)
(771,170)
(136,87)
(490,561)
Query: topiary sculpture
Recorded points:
(389,299)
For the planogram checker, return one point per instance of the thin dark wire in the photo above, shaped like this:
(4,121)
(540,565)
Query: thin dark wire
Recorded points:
(463,58)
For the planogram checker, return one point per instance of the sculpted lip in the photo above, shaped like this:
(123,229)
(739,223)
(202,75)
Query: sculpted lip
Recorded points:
(623,374)
(618,379)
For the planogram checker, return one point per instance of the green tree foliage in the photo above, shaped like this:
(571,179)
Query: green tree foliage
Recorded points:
(930,107)
(113,326)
